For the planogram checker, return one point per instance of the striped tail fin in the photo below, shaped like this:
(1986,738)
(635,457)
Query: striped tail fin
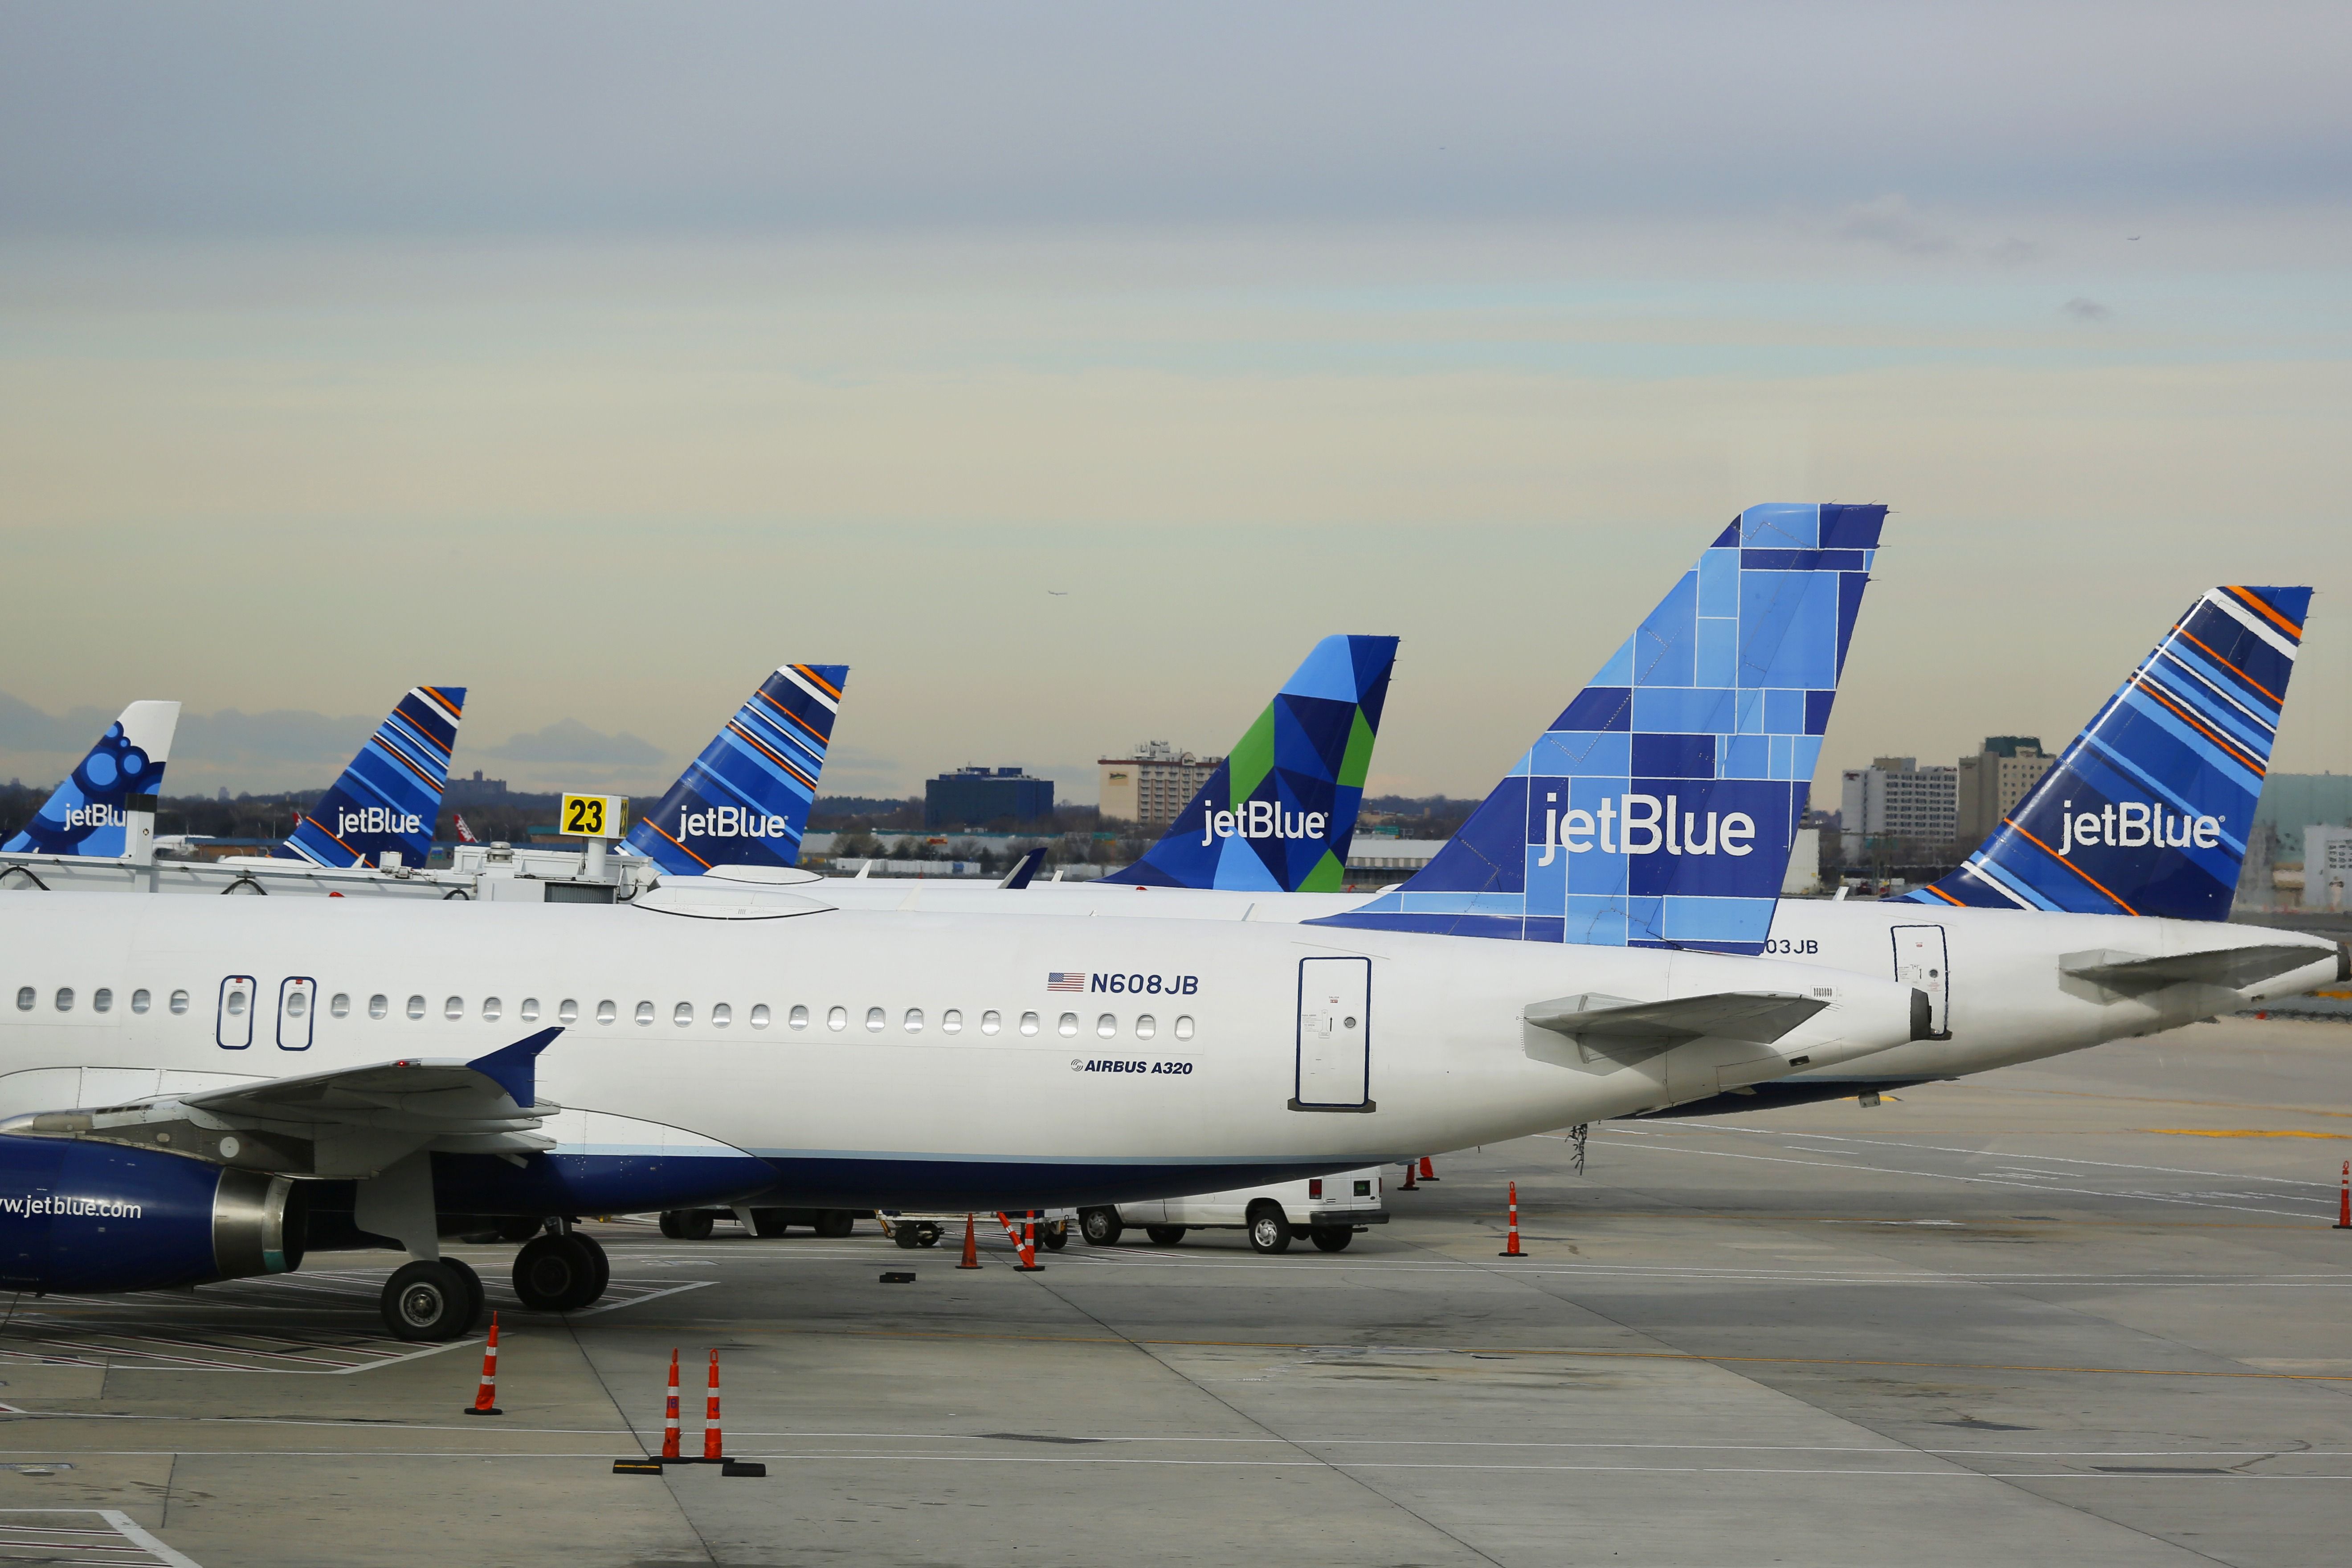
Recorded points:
(389,799)
(89,813)
(745,800)
(1279,814)
(1659,809)
(2148,812)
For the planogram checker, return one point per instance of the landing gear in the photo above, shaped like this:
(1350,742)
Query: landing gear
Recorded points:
(1164,1235)
(768,1222)
(835,1224)
(1269,1230)
(428,1300)
(1332,1241)
(1100,1226)
(561,1273)
(686,1224)
(1054,1237)
(473,1281)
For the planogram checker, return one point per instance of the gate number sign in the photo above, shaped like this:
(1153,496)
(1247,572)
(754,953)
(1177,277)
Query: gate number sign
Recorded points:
(593,815)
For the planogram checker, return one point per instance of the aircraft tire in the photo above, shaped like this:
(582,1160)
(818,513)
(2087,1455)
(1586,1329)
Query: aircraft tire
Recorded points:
(835,1224)
(1054,1237)
(473,1281)
(1269,1227)
(768,1222)
(558,1273)
(426,1301)
(673,1224)
(604,1270)
(1164,1235)
(1100,1226)
(694,1224)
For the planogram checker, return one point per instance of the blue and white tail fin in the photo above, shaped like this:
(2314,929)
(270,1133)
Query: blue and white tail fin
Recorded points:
(1279,814)
(90,813)
(389,799)
(1660,808)
(2149,811)
(745,800)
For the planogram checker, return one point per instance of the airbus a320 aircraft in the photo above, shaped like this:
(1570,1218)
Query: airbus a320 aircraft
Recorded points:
(205,1089)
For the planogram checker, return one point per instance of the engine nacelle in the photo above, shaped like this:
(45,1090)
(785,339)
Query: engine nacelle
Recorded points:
(76,1216)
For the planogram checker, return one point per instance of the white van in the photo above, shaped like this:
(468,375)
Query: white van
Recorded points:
(1326,1210)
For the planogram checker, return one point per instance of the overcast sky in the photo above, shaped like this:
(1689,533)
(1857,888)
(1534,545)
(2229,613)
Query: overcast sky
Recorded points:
(599,358)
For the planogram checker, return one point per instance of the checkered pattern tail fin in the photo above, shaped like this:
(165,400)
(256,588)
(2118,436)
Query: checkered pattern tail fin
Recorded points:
(389,799)
(86,814)
(1658,810)
(2149,811)
(1279,814)
(745,800)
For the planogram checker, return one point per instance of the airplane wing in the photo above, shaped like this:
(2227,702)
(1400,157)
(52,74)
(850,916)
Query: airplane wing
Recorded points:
(1628,1031)
(2234,968)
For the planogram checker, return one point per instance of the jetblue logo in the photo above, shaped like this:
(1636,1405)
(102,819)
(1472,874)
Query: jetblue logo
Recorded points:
(734,822)
(1262,819)
(100,816)
(1644,825)
(2136,824)
(377,819)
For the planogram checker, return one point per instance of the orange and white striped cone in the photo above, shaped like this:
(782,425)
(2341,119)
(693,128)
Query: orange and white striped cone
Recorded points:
(713,1445)
(971,1244)
(486,1398)
(1512,1248)
(669,1414)
(1428,1170)
(2343,1205)
(1409,1187)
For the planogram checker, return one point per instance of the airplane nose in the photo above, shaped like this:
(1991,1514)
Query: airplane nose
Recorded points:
(1923,1016)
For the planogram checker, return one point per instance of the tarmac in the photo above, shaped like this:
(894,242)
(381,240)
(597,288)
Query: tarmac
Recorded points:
(2090,1312)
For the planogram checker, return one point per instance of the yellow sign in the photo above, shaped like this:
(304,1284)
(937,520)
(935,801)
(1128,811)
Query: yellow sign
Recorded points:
(593,815)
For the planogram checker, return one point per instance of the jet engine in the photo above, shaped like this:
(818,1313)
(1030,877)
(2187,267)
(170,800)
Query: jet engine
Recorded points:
(84,1216)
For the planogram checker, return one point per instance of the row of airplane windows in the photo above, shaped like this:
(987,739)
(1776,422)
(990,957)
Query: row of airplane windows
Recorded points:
(721,1015)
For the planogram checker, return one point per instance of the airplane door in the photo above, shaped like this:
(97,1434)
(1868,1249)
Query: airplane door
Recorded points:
(1921,960)
(297,999)
(233,1026)
(1334,1035)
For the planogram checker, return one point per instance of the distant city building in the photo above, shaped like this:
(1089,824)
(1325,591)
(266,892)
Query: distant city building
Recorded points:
(974,796)
(1993,781)
(1894,798)
(1150,787)
(474,791)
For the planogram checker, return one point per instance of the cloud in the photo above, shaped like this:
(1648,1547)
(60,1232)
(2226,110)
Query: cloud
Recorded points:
(570,740)
(1889,221)
(2084,310)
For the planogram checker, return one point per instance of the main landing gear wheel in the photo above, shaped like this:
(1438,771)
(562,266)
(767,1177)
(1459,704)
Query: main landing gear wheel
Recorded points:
(1164,1235)
(465,1271)
(835,1224)
(1054,1237)
(1269,1231)
(427,1300)
(559,1273)
(686,1224)
(1332,1241)
(1100,1226)
(768,1222)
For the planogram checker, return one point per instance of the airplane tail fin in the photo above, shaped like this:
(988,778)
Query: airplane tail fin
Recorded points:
(2148,812)
(90,813)
(745,800)
(1659,809)
(1279,814)
(389,799)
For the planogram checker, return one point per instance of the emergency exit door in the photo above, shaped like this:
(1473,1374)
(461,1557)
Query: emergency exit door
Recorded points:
(1334,1035)
(1921,962)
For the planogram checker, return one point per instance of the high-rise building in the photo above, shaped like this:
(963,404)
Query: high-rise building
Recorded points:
(1151,786)
(1894,798)
(1993,781)
(973,797)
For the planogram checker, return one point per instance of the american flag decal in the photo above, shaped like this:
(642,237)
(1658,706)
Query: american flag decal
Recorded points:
(1065,980)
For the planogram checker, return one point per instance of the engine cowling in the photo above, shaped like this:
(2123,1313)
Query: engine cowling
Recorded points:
(84,1216)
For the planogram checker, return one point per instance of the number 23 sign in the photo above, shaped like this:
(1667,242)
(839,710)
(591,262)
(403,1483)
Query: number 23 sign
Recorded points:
(593,815)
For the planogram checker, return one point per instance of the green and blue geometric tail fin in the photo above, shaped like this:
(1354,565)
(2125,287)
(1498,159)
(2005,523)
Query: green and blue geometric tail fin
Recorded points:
(87,815)
(745,800)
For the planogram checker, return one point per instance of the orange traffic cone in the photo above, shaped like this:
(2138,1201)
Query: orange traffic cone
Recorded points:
(970,1246)
(713,1445)
(1512,1248)
(1408,1187)
(669,1413)
(486,1398)
(1026,1244)
(1428,1170)
(2343,1208)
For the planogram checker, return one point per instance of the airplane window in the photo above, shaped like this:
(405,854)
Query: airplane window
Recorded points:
(296,1004)
(491,1008)
(529,1011)
(644,1013)
(1069,1024)
(838,1019)
(606,1011)
(914,1020)
(179,1001)
(378,1006)
(567,1011)
(417,1006)
(25,998)
(1185,1028)
(682,1015)
(1146,1026)
(990,1021)
(873,1018)
(65,998)
(798,1016)
(721,1015)
(141,1001)
(237,1000)
(340,1006)
(453,1008)
(1028,1023)
(759,1018)
(952,1021)
(102,999)
(1107,1026)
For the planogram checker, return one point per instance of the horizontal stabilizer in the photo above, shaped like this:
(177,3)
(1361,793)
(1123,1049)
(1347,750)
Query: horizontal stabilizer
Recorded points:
(2234,968)
(1023,869)
(1614,1027)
